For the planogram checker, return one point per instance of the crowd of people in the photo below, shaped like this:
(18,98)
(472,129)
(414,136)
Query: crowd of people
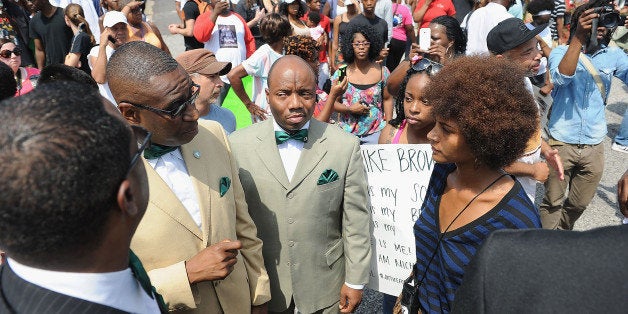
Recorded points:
(129,188)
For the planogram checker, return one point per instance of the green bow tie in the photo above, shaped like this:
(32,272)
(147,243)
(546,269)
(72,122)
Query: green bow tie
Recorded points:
(282,136)
(156,150)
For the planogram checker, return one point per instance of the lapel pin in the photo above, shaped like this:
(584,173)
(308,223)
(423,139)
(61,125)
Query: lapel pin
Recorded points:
(197,154)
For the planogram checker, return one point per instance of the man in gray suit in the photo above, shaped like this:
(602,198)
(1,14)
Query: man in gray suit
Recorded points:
(305,185)
(73,196)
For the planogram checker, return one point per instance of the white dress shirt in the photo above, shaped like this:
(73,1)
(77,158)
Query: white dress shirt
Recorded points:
(118,289)
(480,23)
(290,152)
(171,168)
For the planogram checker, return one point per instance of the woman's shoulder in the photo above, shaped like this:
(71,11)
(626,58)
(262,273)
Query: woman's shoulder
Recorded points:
(387,134)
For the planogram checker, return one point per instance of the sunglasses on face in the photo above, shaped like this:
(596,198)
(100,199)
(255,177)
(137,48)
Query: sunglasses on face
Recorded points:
(142,136)
(178,110)
(428,66)
(7,53)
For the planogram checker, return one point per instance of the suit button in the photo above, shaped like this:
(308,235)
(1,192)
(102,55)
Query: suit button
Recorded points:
(290,195)
(290,220)
(291,243)
(288,263)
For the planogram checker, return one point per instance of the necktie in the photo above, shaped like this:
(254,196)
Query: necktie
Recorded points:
(282,136)
(156,150)
(140,274)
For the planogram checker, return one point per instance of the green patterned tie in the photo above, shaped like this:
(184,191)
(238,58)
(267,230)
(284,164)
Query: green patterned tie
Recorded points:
(282,136)
(156,150)
(140,274)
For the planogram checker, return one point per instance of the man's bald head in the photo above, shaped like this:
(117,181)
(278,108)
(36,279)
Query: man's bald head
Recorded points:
(288,62)
(291,92)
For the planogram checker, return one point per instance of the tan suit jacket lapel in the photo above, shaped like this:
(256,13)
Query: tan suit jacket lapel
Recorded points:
(311,154)
(197,160)
(168,202)
(269,154)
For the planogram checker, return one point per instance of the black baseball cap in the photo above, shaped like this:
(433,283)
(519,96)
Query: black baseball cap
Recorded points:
(509,34)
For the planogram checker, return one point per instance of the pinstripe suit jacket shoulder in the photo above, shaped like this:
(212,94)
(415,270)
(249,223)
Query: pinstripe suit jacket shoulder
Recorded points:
(20,296)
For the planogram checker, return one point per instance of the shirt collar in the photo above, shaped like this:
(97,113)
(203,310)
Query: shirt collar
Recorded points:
(276,126)
(117,289)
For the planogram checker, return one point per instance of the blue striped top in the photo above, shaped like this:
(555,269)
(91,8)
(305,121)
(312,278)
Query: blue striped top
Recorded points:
(436,294)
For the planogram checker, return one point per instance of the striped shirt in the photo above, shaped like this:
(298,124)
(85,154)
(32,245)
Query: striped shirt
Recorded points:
(557,12)
(436,294)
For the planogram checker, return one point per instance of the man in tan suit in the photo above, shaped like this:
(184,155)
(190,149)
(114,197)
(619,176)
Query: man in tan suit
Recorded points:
(197,240)
(306,188)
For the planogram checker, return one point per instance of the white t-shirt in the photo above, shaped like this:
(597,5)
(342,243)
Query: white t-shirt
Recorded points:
(258,65)
(102,88)
(480,24)
(227,41)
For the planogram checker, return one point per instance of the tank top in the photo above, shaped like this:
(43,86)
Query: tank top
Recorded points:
(146,34)
(402,126)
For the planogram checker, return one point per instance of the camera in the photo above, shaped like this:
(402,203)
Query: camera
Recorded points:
(609,18)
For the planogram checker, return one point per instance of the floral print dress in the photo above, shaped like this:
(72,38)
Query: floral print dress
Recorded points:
(373,96)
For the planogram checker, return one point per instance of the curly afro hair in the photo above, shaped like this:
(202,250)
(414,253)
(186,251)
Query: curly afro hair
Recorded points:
(488,99)
(371,36)
(283,8)
(303,46)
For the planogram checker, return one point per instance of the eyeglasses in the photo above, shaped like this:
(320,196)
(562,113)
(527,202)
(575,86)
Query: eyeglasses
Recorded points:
(143,141)
(428,66)
(7,53)
(361,44)
(173,113)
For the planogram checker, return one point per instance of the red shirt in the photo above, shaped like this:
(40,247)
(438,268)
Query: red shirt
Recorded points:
(435,9)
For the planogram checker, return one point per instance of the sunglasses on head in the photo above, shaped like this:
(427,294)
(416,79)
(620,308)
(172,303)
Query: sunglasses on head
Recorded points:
(7,53)
(428,66)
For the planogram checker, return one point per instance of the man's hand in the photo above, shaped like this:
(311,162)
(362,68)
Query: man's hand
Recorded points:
(349,299)
(259,309)
(219,8)
(553,159)
(583,32)
(547,88)
(173,28)
(541,171)
(214,262)
(382,55)
(622,194)
(258,114)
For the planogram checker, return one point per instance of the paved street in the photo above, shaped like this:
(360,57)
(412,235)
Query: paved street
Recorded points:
(603,209)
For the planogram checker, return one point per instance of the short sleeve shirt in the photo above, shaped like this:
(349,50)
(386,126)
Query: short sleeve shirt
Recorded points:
(435,9)
(55,36)
(258,65)
(190,9)
(82,44)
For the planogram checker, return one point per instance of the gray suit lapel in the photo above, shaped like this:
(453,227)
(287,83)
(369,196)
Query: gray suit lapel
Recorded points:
(312,153)
(269,154)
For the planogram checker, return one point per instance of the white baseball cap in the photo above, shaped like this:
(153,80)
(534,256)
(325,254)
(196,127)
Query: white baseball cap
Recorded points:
(112,18)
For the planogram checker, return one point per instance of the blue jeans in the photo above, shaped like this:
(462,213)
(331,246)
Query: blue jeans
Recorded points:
(622,135)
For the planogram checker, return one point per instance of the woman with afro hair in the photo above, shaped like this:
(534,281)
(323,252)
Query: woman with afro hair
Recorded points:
(484,116)
(361,107)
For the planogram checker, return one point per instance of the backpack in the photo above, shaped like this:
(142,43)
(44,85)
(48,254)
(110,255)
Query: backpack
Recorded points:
(202,6)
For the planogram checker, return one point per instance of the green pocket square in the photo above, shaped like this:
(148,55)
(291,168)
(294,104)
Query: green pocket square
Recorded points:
(225,183)
(327,176)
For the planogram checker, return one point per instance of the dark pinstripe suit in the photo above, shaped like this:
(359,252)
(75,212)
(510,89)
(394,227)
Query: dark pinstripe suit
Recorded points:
(20,296)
